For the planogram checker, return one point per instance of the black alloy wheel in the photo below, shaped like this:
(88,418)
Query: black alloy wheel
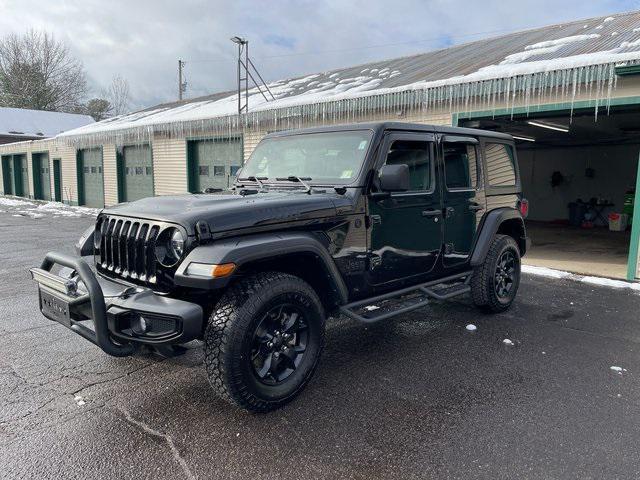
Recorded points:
(279,344)
(505,275)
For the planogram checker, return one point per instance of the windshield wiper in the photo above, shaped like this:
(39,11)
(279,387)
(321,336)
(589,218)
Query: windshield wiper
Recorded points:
(294,178)
(258,180)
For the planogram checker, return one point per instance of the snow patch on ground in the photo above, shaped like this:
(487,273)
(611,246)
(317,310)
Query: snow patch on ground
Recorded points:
(609,282)
(37,209)
(545,272)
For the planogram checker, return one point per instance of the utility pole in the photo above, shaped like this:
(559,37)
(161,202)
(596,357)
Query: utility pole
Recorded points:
(182,85)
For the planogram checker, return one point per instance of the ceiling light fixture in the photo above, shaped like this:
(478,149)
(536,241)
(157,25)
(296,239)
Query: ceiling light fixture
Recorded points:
(524,139)
(550,126)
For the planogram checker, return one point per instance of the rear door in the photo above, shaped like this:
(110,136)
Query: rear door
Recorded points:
(406,234)
(463,198)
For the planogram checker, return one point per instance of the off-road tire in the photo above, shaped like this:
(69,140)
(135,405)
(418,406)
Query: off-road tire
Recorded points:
(230,331)
(483,291)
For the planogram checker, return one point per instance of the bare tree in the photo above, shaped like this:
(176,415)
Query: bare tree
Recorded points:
(118,95)
(37,71)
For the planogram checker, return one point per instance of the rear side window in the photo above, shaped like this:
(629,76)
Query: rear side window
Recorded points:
(501,170)
(460,166)
(415,154)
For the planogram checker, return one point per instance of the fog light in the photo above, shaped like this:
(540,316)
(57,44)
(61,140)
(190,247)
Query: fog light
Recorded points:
(139,325)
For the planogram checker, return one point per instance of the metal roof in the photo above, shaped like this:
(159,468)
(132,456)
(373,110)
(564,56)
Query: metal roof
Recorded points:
(22,122)
(557,55)
(458,60)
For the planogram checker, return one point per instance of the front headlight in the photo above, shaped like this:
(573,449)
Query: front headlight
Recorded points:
(170,246)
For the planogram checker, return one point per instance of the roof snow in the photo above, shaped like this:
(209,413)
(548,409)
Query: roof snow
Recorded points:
(547,49)
(21,122)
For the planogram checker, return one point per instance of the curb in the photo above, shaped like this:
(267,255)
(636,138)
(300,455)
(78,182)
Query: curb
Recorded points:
(597,281)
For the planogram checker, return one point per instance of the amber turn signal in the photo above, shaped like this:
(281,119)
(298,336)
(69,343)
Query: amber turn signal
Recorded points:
(223,270)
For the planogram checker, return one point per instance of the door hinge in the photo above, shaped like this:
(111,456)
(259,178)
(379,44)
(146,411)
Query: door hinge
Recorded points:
(372,220)
(202,229)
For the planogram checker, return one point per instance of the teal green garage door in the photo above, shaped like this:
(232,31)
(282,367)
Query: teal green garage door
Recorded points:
(214,163)
(41,176)
(90,178)
(20,176)
(7,174)
(138,172)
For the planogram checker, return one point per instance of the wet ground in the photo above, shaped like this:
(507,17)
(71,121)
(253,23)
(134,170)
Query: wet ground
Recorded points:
(419,397)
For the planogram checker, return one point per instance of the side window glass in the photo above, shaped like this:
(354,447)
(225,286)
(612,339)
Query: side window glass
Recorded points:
(417,156)
(501,170)
(460,165)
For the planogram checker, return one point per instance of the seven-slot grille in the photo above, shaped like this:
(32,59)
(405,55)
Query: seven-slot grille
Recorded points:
(127,249)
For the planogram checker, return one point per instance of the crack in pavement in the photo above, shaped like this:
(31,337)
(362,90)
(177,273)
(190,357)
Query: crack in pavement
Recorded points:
(166,437)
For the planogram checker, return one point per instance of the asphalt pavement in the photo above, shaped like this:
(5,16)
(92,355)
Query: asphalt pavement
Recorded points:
(416,397)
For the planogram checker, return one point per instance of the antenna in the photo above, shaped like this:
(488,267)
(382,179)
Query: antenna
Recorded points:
(245,69)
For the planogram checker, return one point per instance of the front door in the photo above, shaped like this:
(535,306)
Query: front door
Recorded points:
(406,233)
(57,179)
(462,197)
(20,176)
(7,175)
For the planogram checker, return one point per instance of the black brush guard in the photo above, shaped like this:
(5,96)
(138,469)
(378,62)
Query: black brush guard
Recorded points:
(189,314)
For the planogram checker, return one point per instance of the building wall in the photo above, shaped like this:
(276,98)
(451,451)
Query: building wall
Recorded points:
(169,166)
(170,155)
(109,170)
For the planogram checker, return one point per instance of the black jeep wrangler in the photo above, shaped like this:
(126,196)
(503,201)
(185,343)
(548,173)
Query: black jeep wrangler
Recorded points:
(364,220)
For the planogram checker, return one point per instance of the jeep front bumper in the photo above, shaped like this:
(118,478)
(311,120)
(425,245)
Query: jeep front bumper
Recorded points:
(113,316)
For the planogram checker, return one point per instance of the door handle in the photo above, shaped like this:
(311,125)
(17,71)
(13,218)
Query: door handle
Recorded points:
(431,213)
(475,207)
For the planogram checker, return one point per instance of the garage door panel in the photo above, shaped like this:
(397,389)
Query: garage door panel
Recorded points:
(216,162)
(42,169)
(138,172)
(93,178)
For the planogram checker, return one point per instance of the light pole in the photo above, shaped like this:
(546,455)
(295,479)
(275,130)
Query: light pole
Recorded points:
(243,46)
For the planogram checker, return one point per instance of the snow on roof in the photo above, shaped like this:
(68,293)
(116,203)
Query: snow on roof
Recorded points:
(547,50)
(21,122)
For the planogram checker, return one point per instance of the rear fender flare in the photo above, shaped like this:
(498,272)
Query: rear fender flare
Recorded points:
(489,227)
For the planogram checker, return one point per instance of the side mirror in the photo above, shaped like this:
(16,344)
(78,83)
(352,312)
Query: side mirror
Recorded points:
(394,178)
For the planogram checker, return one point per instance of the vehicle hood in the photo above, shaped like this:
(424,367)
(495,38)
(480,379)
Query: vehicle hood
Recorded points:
(230,212)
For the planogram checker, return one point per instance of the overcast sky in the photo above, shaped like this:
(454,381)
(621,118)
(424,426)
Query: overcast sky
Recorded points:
(142,40)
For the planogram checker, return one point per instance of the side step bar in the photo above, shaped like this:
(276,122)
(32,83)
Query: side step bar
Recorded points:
(420,295)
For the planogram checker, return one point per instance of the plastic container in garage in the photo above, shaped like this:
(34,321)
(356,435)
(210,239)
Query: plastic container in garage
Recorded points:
(618,222)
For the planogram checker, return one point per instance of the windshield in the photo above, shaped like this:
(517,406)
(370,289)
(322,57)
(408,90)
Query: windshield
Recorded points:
(322,158)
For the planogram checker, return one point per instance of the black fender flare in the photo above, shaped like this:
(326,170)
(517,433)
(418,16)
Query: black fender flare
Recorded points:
(489,227)
(246,249)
